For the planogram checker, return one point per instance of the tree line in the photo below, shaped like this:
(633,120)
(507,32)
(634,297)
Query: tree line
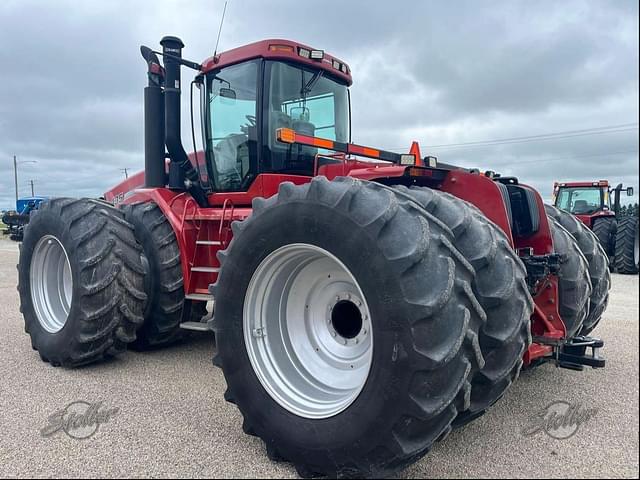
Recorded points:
(629,210)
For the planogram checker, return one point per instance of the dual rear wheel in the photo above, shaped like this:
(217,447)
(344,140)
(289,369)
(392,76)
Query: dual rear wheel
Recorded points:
(355,337)
(627,257)
(80,280)
(94,279)
(584,278)
(620,239)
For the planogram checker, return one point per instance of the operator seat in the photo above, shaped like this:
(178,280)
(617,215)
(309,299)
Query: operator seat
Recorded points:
(581,206)
(228,161)
(306,153)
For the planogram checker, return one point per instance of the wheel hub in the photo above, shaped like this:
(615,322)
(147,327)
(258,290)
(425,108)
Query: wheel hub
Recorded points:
(346,320)
(307,330)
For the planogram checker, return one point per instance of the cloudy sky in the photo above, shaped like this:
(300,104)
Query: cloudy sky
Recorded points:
(542,90)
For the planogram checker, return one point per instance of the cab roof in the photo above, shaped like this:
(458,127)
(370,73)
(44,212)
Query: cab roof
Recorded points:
(279,49)
(600,183)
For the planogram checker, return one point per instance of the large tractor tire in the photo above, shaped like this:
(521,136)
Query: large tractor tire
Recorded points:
(627,252)
(80,281)
(574,284)
(163,282)
(598,262)
(349,338)
(499,285)
(605,229)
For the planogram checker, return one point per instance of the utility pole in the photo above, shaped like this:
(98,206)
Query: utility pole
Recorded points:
(32,194)
(15,176)
(15,173)
(125,171)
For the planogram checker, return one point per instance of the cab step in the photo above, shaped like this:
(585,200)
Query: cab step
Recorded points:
(195,326)
(205,269)
(199,297)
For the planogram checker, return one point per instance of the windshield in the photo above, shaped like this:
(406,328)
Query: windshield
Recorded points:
(580,200)
(309,102)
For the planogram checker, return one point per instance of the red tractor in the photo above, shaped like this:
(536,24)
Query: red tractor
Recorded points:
(591,203)
(365,302)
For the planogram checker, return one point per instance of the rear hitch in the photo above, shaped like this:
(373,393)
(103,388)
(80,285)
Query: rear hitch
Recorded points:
(573,354)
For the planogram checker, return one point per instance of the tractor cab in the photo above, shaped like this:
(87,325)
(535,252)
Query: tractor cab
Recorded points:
(587,199)
(583,198)
(274,109)
(249,94)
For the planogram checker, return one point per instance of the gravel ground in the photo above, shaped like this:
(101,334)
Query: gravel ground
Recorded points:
(173,422)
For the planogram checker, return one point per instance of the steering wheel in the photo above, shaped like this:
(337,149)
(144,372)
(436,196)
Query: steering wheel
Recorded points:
(251,119)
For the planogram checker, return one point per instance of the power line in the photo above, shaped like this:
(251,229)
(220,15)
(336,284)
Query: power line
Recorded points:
(625,127)
(564,134)
(542,160)
(541,139)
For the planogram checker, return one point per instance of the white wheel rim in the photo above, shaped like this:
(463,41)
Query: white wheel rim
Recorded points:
(51,283)
(307,329)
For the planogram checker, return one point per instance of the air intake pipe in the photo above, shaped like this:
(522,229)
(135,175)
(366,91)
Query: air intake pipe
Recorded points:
(181,172)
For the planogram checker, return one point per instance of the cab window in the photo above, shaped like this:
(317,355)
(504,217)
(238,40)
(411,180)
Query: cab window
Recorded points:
(308,101)
(231,130)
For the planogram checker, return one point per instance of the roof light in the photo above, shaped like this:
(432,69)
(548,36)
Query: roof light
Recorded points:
(336,65)
(431,161)
(304,53)
(344,68)
(408,159)
(280,48)
(317,54)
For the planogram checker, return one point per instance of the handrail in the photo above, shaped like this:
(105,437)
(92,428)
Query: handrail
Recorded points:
(222,219)
(338,155)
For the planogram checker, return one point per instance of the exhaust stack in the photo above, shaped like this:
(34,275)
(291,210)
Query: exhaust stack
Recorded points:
(154,165)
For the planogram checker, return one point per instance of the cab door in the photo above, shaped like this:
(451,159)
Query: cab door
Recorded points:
(231,127)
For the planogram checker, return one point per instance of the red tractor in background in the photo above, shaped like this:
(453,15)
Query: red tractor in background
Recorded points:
(591,203)
(365,302)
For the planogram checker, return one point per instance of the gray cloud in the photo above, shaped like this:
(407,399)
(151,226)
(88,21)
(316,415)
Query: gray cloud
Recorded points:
(438,72)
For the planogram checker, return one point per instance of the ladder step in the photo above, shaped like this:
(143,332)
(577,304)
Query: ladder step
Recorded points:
(201,297)
(195,326)
(206,269)
(208,242)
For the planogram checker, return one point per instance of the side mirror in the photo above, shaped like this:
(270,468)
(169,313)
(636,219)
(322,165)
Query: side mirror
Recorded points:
(629,191)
